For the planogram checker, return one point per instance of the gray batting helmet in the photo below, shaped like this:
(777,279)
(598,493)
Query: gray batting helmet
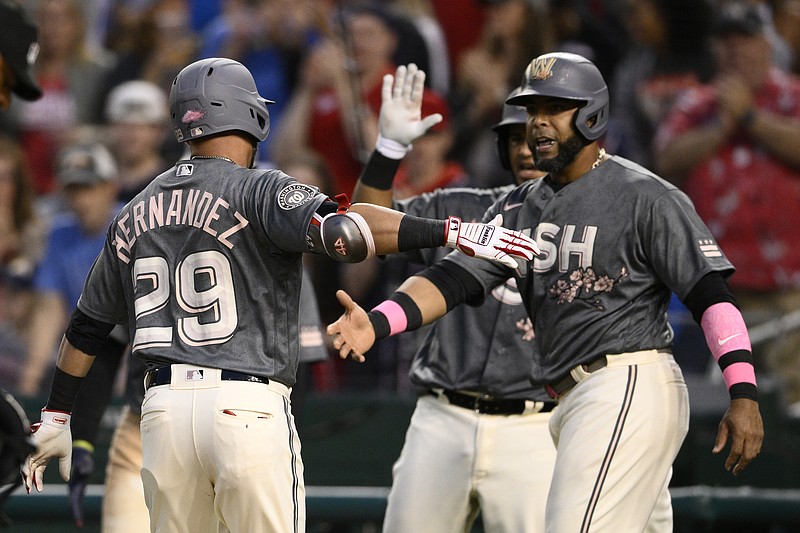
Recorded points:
(215,95)
(512,114)
(573,77)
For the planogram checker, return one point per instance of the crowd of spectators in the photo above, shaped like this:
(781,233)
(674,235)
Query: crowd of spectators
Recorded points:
(105,67)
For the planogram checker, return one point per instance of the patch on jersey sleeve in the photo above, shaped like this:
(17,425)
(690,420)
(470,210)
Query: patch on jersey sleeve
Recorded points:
(295,195)
(709,248)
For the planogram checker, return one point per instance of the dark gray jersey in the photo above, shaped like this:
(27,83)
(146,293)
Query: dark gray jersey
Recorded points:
(204,265)
(614,243)
(487,348)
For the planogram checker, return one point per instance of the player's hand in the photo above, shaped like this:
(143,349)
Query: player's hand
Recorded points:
(401,106)
(52,438)
(490,241)
(82,469)
(352,334)
(742,423)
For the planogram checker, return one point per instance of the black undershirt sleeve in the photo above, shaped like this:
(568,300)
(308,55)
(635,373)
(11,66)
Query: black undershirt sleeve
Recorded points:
(711,289)
(456,284)
(87,334)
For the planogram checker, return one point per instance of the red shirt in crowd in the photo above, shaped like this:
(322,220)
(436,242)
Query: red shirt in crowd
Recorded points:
(749,200)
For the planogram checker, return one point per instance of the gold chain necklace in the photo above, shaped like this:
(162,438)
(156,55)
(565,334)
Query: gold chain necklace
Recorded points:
(213,157)
(599,159)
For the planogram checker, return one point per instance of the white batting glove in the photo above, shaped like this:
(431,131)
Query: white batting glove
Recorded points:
(52,438)
(490,241)
(400,120)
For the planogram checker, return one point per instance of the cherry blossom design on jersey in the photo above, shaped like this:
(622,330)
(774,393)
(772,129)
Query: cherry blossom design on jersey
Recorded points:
(526,326)
(584,285)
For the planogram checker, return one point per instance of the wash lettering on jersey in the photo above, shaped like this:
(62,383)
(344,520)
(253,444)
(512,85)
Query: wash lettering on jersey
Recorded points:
(568,250)
(564,248)
(188,207)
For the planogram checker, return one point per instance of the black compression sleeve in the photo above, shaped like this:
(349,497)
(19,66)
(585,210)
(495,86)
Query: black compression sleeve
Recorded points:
(415,233)
(63,391)
(87,334)
(96,392)
(455,283)
(711,289)
(379,171)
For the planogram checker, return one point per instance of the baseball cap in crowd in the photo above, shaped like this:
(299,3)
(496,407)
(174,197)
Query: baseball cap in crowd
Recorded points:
(19,48)
(85,164)
(137,102)
(739,17)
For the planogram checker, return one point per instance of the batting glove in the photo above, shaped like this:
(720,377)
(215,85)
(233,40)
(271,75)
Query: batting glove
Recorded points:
(52,438)
(400,121)
(490,241)
(82,469)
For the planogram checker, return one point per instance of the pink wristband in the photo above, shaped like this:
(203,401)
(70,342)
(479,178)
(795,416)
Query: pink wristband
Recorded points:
(739,373)
(394,315)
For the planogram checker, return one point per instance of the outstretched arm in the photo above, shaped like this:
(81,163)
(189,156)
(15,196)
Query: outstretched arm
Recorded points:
(416,303)
(356,232)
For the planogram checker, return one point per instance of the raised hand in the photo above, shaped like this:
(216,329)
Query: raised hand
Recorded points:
(490,241)
(352,334)
(400,117)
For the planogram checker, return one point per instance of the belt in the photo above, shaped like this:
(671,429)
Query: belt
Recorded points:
(575,375)
(490,406)
(163,376)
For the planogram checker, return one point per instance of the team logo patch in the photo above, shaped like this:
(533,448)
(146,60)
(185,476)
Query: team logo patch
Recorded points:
(295,195)
(184,169)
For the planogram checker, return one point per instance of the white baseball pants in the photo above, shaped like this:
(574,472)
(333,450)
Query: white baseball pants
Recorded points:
(221,454)
(617,433)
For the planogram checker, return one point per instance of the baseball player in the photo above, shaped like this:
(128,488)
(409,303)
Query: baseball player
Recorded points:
(614,239)
(478,439)
(124,509)
(204,266)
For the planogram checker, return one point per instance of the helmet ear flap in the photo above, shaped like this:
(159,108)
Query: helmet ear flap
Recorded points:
(501,143)
(591,121)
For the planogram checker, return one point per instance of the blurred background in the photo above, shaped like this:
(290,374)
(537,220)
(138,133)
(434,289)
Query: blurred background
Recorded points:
(106,66)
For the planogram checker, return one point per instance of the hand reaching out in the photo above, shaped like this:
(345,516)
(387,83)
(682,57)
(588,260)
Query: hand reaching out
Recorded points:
(352,333)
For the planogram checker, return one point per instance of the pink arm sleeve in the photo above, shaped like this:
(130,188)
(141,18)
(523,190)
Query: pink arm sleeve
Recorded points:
(726,332)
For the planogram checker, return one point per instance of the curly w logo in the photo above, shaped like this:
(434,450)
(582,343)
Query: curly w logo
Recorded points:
(541,68)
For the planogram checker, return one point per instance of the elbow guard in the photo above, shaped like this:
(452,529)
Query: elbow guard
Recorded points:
(347,237)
